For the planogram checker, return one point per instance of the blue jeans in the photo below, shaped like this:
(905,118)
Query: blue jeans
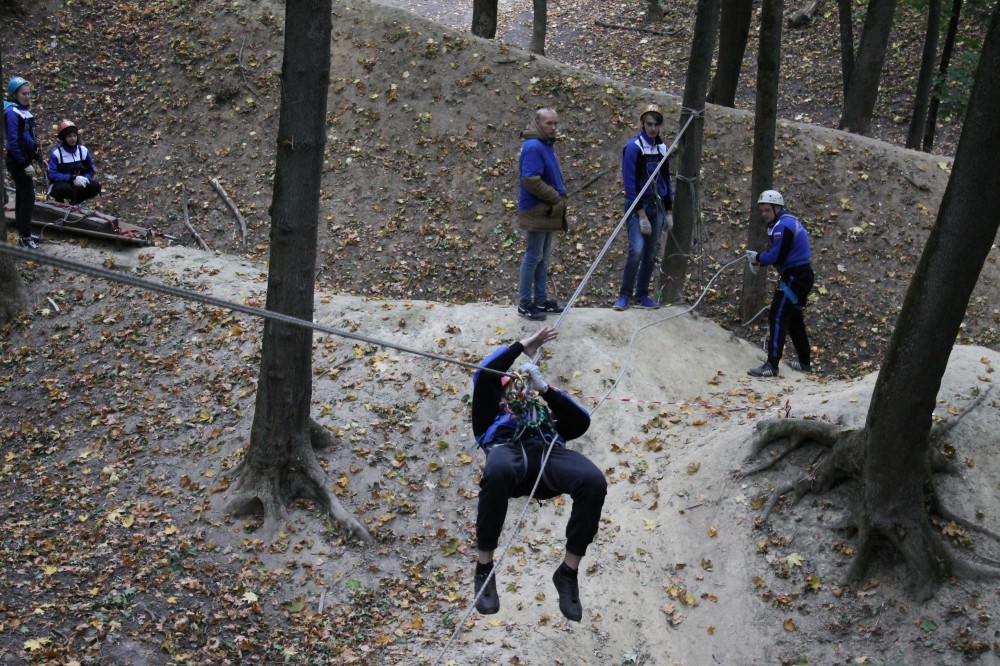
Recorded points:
(535,268)
(641,250)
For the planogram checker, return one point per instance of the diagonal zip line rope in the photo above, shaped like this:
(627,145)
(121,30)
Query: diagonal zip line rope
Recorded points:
(548,449)
(187,294)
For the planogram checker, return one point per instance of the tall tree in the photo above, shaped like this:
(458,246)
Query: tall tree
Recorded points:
(946,51)
(892,455)
(764,128)
(14,296)
(845,14)
(921,97)
(686,210)
(538,26)
(280,465)
(862,91)
(734,32)
(484,18)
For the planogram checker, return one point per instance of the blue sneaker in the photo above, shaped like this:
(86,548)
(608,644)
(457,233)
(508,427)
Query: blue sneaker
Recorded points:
(621,304)
(648,303)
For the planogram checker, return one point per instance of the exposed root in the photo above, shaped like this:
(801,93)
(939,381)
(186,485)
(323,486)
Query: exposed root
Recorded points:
(939,429)
(939,509)
(320,437)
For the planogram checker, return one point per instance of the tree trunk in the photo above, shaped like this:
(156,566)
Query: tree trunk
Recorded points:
(764,128)
(540,18)
(946,51)
(654,12)
(921,98)
(280,464)
(484,18)
(686,211)
(859,103)
(734,31)
(846,15)
(15,295)
(896,476)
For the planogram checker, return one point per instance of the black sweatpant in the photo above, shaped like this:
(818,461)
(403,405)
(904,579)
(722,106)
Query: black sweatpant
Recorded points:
(63,190)
(511,472)
(24,204)
(785,317)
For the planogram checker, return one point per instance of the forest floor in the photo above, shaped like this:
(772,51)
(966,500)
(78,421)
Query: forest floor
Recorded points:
(123,412)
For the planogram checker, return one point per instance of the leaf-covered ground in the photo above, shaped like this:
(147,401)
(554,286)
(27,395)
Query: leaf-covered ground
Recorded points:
(122,412)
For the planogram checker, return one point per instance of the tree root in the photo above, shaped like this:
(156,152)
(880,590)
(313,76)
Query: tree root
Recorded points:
(269,491)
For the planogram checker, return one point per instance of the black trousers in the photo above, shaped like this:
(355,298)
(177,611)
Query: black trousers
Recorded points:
(24,189)
(63,191)
(785,318)
(511,471)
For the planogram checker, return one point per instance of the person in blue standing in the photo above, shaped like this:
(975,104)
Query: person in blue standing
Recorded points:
(541,211)
(791,256)
(640,158)
(516,424)
(71,168)
(22,150)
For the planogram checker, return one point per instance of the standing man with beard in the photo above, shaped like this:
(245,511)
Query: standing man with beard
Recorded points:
(541,211)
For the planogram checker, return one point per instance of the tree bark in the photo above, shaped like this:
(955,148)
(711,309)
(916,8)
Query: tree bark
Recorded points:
(764,128)
(846,15)
(280,464)
(946,51)
(538,23)
(686,211)
(15,295)
(896,465)
(654,12)
(921,97)
(484,18)
(734,31)
(859,103)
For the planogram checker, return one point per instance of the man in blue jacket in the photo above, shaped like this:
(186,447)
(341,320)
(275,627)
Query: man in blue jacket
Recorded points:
(642,155)
(541,211)
(22,150)
(790,255)
(516,424)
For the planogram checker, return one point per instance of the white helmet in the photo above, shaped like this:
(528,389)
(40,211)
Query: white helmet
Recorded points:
(771,197)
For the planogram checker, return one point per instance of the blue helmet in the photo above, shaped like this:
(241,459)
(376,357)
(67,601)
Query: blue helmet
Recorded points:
(14,85)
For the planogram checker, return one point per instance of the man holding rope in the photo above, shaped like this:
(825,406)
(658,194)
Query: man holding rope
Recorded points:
(523,426)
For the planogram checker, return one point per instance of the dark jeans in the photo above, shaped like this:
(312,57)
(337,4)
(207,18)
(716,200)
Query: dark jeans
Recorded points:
(785,317)
(24,190)
(511,472)
(62,191)
(641,250)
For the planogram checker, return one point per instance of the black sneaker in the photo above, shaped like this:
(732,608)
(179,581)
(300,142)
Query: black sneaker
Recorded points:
(549,306)
(488,602)
(766,370)
(530,312)
(569,593)
(796,364)
(28,243)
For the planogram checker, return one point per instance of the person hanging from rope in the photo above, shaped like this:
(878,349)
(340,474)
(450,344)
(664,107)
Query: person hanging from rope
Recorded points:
(640,157)
(71,168)
(516,423)
(22,150)
(790,255)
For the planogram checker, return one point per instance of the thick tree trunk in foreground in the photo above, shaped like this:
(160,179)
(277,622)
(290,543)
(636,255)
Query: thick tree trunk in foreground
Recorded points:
(922,95)
(538,24)
(845,14)
(764,127)
(893,454)
(484,18)
(734,31)
(862,92)
(280,464)
(686,210)
(899,419)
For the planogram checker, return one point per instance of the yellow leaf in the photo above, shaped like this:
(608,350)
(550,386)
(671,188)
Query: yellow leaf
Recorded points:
(127,521)
(649,525)
(50,569)
(171,530)
(813,582)
(295,605)
(249,597)
(713,531)
(794,560)
(464,458)
(36,644)
(693,467)
(789,625)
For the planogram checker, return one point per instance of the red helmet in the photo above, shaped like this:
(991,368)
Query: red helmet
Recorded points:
(65,126)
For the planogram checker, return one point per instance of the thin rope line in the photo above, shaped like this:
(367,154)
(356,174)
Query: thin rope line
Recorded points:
(187,294)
